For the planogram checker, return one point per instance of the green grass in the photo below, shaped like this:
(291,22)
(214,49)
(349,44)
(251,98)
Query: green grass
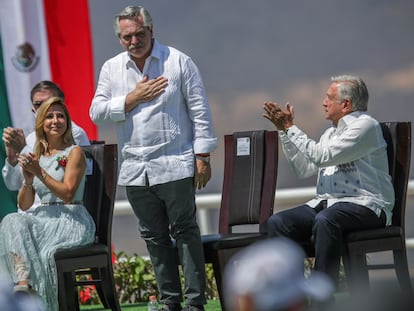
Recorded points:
(212,305)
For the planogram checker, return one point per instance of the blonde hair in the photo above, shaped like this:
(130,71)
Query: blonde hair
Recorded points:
(42,144)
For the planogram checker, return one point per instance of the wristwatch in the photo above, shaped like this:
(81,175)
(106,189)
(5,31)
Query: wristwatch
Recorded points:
(204,158)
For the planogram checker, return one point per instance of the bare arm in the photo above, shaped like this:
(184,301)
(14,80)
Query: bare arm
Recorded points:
(66,189)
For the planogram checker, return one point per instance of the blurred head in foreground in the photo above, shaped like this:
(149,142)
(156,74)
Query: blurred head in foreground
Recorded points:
(10,301)
(269,276)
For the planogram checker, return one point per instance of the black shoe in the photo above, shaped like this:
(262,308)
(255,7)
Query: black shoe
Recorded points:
(193,308)
(171,307)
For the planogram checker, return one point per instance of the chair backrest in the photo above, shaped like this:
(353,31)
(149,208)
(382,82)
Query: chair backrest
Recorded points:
(398,138)
(249,183)
(100,187)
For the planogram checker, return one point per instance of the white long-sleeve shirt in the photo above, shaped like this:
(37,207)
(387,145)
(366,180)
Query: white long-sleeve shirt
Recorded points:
(157,139)
(350,160)
(13,175)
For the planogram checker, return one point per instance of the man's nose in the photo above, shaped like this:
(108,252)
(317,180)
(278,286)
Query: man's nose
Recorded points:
(134,40)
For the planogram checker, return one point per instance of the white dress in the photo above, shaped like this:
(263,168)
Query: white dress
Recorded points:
(28,241)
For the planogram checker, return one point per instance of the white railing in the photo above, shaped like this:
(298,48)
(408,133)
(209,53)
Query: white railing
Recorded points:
(284,197)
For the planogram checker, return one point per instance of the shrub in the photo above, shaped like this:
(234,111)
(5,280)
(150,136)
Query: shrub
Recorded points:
(135,281)
(134,278)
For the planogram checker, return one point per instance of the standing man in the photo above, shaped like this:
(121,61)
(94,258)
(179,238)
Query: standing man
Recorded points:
(16,143)
(354,189)
(156,97)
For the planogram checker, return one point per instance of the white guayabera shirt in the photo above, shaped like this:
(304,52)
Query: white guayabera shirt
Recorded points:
(350,160)
(157,139)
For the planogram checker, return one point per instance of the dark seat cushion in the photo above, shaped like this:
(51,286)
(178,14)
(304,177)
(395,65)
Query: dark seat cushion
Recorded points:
(82,251)
(374,234)
(233,240)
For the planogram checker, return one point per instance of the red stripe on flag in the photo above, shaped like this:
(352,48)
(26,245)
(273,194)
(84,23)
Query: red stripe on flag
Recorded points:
(70,54)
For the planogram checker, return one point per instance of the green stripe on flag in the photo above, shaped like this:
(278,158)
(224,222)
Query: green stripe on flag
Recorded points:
(8,198)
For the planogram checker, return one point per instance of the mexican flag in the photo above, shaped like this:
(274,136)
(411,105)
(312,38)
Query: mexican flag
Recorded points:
(43,40)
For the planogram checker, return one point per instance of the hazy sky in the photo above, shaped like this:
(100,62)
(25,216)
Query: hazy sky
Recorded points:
(252,51)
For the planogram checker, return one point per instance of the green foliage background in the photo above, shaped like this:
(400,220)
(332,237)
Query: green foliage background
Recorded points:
(135,281)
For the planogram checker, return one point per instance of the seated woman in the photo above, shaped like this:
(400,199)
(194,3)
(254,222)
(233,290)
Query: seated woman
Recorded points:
(56,171)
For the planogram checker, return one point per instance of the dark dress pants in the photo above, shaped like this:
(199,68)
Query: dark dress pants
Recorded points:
(165,211)
(326,228)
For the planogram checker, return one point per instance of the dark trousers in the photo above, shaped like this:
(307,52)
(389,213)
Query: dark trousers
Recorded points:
(326,228)
(165,211)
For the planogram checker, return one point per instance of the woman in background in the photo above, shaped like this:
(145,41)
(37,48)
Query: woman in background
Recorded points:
(56,172)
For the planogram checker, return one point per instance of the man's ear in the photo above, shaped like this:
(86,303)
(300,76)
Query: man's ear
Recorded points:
(347,105)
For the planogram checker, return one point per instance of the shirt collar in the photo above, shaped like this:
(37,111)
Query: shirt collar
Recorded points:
(346,119)
(156,49)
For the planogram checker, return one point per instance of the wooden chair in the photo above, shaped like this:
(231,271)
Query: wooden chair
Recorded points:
(249,184)
(94,260)
(390,238)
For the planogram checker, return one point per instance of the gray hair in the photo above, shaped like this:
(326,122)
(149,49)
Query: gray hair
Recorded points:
(132,12)
(354,89)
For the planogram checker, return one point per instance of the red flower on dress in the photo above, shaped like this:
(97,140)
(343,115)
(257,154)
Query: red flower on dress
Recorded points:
(62,161)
